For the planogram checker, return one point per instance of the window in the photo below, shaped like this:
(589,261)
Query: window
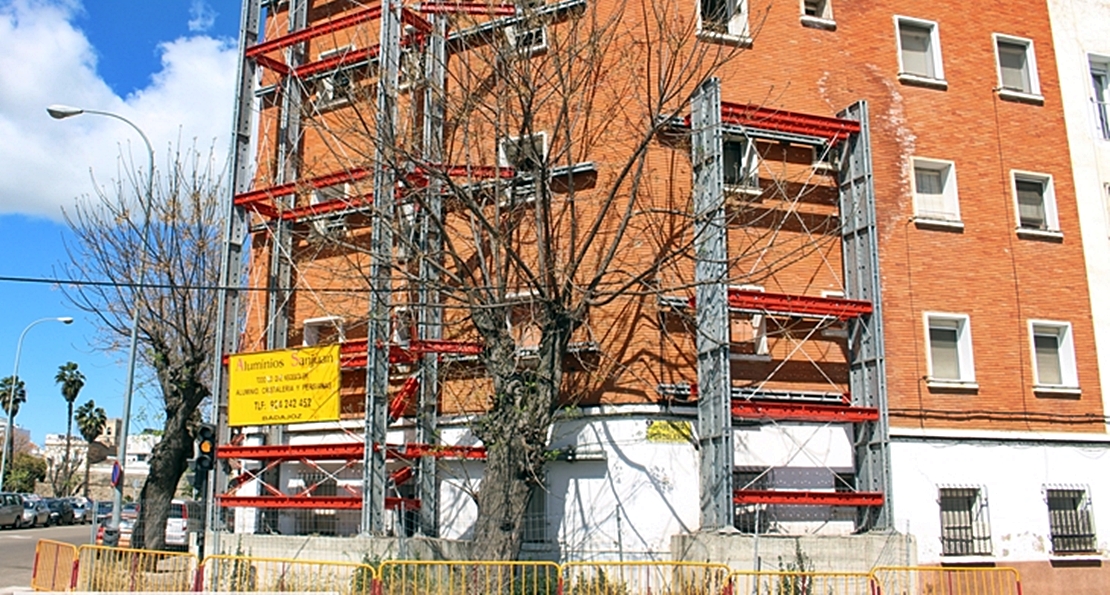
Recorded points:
(950,357)
(527,41)
(723,20)
(1053,356)
(965,528)
(1017,67)
(818,14)
(748,332)
(333,90)
(535,516)
(1036,204)
(404,326)
(1100,86)
(524,153)
(1069,521)
(919,51)
(934,190)
(325,330)
(330,224)
(741,162)
(821,9)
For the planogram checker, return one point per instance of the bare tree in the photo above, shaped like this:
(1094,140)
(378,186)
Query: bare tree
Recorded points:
(571,230)
(179,257)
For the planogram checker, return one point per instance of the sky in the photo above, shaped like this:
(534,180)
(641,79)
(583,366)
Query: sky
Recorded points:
(167,66)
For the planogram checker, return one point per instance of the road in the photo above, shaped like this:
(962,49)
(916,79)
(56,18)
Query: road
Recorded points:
(17,551)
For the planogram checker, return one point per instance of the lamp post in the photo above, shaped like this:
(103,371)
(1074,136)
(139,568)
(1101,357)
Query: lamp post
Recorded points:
(15,385)
(60,112)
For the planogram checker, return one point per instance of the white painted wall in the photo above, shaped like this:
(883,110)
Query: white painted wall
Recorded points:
(1079,30)
(633,493)
(1013,468)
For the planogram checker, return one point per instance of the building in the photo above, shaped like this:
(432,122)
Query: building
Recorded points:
(816,240)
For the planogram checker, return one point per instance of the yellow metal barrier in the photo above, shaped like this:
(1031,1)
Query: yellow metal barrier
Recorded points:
(644,578)
(923,580)
(800,583)
(55,566)
(102,568)
(412,577)
(247,574)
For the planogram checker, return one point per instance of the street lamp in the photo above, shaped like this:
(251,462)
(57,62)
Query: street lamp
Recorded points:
(15,385)
(61,112)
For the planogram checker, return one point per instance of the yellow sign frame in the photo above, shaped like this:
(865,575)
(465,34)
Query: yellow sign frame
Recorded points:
(283,387)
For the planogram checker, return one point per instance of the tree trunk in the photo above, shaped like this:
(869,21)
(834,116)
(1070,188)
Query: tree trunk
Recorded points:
(88,462)
(168,462)
(63,476)
(515,434)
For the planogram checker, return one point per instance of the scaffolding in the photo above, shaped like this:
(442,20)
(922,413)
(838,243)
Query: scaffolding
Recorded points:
(280,73)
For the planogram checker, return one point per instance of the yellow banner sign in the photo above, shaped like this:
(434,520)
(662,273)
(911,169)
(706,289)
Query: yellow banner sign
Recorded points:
(283,387)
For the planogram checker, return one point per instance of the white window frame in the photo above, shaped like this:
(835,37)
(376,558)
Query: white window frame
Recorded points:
(330,223)
(750,161)
(310,329)
(737,31)
(502,156)
(1065,346)
(1034,92)
(950,216)
(515,34)
(822,17)
(937,80)
(758,326)
(1052,219)
(1100,66)
(964,350)
(326,90)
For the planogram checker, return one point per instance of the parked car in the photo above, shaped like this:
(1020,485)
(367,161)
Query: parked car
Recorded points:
(184,518)
(11,510)
(80,510)
(103,512)
(35,512)
(61,512)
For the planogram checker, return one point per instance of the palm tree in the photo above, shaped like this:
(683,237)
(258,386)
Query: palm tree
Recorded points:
(90,422)
(72,381)
(17,396)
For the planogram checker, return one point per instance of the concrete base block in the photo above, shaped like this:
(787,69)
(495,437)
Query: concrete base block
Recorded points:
(821,553)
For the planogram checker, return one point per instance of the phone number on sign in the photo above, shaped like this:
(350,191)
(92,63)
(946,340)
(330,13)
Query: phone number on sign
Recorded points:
(278,404)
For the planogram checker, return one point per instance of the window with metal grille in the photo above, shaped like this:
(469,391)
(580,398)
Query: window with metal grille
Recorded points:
(964,522)
(1069,521)
(535,516)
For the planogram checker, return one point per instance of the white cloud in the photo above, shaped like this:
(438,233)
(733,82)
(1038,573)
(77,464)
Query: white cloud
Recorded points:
(45,59)
(201,16)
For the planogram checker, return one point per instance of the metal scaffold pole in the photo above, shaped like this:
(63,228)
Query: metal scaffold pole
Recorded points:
(867,365)
(381,281)
(231,265)
(711,276)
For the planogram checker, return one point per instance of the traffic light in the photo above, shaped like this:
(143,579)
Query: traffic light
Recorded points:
(206,449)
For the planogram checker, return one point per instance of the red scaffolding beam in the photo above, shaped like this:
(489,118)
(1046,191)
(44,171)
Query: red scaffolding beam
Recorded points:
(348,451)
(787,411)
(795,305)
(318,502)
(807,498)
(308,33)
(833,130)
(352,354)
(492,9)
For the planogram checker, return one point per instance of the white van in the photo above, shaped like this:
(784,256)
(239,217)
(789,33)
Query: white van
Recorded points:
(184,518)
